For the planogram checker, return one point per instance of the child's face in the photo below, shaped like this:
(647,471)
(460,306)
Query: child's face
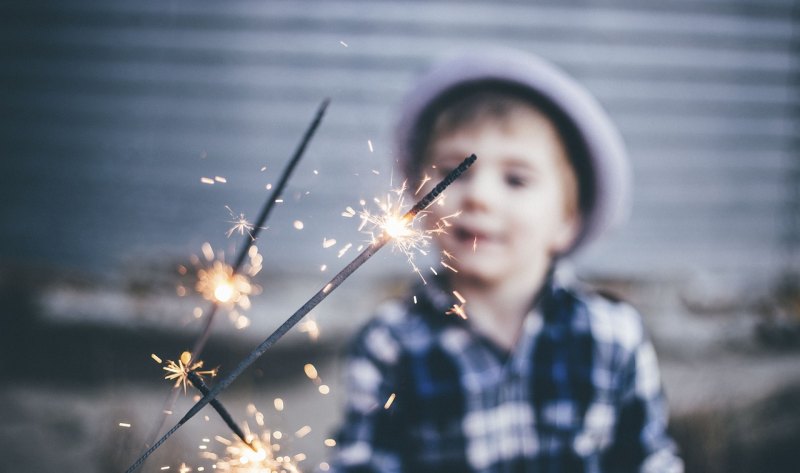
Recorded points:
(513,199)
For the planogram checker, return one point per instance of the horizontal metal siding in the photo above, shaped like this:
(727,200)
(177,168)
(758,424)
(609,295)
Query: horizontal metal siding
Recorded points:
(114,110)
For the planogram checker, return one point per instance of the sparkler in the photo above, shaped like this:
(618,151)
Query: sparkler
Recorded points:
(337,280)
(273,198)
(184,372)
(261,454)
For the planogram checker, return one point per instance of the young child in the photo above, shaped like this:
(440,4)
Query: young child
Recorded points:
(539,376)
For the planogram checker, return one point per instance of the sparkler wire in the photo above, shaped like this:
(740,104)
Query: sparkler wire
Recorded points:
(201,386)
(262,217)
(337,280)
(201,341)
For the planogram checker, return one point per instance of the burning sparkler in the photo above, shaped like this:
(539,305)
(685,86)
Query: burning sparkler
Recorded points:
(337,280)
(179,372)
(239,457)
(246,249)
(184,372)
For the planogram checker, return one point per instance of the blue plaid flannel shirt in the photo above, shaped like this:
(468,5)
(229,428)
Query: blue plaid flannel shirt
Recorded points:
(580,392)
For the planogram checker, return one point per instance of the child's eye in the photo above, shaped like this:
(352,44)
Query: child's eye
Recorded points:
(516,180)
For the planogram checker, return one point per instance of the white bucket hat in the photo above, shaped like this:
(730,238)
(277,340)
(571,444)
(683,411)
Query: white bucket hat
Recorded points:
(608,182)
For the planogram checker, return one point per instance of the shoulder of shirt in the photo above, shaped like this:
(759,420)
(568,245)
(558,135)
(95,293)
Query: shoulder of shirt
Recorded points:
(612,320)
(396,327)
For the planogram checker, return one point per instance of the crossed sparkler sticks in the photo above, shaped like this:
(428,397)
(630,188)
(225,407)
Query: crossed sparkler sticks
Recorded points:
(210,394)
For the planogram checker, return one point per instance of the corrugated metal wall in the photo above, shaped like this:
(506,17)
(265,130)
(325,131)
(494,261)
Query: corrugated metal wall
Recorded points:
(112,111)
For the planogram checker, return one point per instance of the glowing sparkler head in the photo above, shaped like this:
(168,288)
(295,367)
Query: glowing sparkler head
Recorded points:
(396,227)
(264,456)
(179,372)
(224,291)
(217,282)
(391,221)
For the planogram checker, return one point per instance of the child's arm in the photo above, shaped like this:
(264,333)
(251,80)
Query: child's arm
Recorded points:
(371,438)
(641,442)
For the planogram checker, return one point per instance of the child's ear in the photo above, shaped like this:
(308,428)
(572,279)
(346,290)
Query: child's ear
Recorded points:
(566,233)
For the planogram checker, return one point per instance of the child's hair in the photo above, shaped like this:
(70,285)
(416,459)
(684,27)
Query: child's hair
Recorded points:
(486,102)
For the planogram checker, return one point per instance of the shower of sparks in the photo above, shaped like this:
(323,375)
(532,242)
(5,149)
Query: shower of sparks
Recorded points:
(408,218)
(238,457)
(180,371)
(218,283)
(408,236)
(240,224)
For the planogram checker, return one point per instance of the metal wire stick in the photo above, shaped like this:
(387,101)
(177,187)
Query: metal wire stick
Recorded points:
(337,280)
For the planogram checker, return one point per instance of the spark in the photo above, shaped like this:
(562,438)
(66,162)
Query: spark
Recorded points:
(238,457)
(220,179)
(475,244)
(343,44)
(207,180)
(330,443)
(344,249)
(459,297)
(324,389)
(180,371)
(458,309)
(327,243)
(278,403)
(422,183)
(303,431)
(389,401)
(408,238)
(298,225)
(310,327)
(217,282)
(369,143)
(125,424)
(449,267)
(310,371)
(349,212)
(307,307)
(240,224)
(323,267)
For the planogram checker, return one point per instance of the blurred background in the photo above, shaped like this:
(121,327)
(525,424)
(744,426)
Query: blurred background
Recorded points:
(134,132)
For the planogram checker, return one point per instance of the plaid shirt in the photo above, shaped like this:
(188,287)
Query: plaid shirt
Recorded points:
(580,392)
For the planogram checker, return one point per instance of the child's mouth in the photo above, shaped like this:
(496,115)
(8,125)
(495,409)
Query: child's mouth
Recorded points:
(463,235)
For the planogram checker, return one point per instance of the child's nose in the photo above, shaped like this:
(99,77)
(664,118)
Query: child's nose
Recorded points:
(481,192)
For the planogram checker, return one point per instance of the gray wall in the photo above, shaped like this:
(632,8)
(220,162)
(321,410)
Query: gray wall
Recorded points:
(112,111)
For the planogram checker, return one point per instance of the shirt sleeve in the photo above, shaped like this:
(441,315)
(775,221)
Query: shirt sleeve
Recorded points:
(371,438)
(641,442)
